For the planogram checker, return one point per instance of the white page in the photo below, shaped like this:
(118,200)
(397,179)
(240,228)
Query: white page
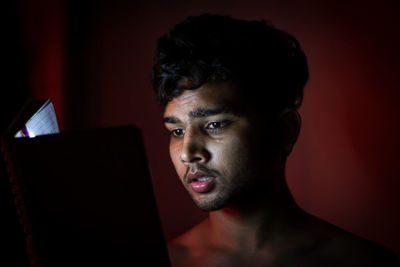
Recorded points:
(43,122)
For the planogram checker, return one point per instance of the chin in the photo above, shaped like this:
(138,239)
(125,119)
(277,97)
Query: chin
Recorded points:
(212,201)
(209,206)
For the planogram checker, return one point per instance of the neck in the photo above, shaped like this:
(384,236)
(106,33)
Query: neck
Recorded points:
(267,216)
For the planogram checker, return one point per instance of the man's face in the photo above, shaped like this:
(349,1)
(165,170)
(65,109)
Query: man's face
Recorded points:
(215,144)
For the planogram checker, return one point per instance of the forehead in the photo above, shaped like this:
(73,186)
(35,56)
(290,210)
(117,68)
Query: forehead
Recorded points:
(219,95)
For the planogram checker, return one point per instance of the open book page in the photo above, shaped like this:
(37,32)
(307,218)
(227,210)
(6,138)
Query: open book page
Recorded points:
(43,122)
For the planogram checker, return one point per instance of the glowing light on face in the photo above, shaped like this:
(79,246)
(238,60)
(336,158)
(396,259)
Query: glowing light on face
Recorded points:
(213,141)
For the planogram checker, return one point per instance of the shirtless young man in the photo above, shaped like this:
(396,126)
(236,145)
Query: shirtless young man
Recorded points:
(231,89)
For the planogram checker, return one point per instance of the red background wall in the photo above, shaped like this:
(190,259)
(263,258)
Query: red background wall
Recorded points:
(94,60)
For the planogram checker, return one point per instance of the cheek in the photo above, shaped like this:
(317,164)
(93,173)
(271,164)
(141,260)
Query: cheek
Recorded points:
(175,154)
(232,154)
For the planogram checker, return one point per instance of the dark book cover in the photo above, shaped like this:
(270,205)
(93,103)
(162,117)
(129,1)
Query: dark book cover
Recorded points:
(85,198)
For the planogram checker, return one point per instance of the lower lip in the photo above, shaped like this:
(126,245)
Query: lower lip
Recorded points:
(202,186)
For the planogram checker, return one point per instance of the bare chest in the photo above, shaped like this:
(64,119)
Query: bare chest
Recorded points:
(223,259)
(215,258)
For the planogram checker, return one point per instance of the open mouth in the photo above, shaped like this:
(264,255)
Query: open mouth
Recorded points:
(202,179)
(202,184)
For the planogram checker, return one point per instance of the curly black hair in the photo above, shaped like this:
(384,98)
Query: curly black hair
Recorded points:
(266,63)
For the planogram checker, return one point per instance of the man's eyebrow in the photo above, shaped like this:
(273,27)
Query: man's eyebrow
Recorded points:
(172,120)
(199,113)
(207,112)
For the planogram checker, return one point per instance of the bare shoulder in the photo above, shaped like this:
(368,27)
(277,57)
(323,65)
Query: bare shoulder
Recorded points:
(181,250)
(346,249)
(178,253)
(357,250)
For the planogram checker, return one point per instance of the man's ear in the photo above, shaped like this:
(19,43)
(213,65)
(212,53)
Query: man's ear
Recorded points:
(290,123)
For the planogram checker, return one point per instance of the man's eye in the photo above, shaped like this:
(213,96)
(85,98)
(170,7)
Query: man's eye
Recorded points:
(177,132)
(216,125)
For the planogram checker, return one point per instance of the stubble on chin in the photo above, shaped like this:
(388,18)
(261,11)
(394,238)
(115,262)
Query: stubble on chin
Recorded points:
(211,204)
(220,197)
(224,194)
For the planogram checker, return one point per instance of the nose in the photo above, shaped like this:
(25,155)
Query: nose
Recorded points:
(194,149)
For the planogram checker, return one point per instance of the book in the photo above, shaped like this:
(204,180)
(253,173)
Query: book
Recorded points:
(36,118)
(85,198)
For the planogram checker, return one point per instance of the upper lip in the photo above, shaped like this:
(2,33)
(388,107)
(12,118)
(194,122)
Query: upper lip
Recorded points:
(193,176)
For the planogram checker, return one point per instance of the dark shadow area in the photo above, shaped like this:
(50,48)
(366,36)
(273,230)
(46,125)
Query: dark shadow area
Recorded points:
(82,64)
(15,91)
